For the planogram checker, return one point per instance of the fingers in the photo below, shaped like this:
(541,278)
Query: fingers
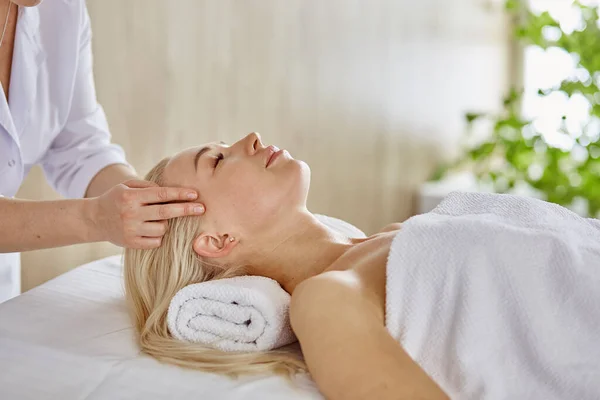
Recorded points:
(137,212)
(139,184)
(153,195)
(173,210)
(153,229)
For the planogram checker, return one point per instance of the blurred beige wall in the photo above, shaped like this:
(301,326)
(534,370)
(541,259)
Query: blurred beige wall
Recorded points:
(369,92)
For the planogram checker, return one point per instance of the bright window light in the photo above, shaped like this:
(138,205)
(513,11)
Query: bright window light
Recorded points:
(545,69)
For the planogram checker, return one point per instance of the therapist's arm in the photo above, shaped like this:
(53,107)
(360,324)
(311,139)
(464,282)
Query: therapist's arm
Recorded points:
(108,177)
(125,215)
(30,225)
(81,161)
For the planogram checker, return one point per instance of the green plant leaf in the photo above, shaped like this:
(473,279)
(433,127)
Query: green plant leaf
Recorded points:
(470,117)
(517,151)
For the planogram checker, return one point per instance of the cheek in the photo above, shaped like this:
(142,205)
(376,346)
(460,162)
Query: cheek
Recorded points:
(238,193)
(252,197)
(256,194)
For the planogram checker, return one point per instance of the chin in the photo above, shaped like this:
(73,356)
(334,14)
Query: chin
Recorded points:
(301,182)
(27,3)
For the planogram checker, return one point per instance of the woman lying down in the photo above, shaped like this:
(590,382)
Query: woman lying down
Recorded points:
(486,297)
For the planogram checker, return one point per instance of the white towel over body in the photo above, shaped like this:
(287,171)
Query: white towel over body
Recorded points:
(244,313)
(498,297)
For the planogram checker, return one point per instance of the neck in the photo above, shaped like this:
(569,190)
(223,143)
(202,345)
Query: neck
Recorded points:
(306,249)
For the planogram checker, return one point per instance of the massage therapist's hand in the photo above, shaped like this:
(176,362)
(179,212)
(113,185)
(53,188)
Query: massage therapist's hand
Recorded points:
(133,214)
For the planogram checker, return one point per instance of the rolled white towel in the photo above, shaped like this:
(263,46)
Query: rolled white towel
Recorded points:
(244,313)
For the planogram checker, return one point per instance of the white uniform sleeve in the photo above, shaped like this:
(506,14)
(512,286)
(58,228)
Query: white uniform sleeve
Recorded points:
(83,147)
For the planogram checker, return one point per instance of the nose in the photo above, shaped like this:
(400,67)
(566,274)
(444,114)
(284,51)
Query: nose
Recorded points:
(252,143)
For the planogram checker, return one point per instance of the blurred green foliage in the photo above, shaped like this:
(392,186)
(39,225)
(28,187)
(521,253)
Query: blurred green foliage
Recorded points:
(516,152)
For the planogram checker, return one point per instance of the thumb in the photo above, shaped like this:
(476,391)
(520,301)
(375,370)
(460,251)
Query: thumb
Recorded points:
(139,184)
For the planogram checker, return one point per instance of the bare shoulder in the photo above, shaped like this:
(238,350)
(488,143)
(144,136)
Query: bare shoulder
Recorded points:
(356,281)
(391,227)
(324,290)
(341,328)
(324,296)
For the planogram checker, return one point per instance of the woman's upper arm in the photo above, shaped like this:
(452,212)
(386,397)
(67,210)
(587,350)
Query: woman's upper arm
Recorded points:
(391,227)
(83,147)
(347,348)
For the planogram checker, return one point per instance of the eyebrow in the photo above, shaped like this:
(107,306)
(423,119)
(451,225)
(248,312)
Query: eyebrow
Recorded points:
(200,152)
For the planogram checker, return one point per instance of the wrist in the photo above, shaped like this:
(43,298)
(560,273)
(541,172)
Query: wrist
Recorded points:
(91,221)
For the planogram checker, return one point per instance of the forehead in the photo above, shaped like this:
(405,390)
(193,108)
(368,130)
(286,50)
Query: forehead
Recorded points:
(182,164)
(185,155)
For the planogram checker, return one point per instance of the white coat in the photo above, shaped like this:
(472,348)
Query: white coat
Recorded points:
(53,117)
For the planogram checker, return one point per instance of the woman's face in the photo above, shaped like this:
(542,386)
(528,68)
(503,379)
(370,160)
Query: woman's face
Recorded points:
(245,187)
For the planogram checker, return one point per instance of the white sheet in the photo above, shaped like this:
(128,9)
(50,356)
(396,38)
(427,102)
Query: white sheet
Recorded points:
(71,339)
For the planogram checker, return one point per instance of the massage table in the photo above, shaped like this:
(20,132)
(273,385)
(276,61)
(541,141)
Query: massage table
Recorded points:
(71,339)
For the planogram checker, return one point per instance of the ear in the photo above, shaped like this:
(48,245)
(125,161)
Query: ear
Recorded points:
(213,245)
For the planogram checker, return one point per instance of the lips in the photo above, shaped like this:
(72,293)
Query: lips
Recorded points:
(272,153)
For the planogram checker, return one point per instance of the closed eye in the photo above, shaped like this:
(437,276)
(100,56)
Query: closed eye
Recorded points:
(218,158)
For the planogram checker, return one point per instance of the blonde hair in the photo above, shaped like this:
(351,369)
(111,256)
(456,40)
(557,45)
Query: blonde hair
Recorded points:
(152,277)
